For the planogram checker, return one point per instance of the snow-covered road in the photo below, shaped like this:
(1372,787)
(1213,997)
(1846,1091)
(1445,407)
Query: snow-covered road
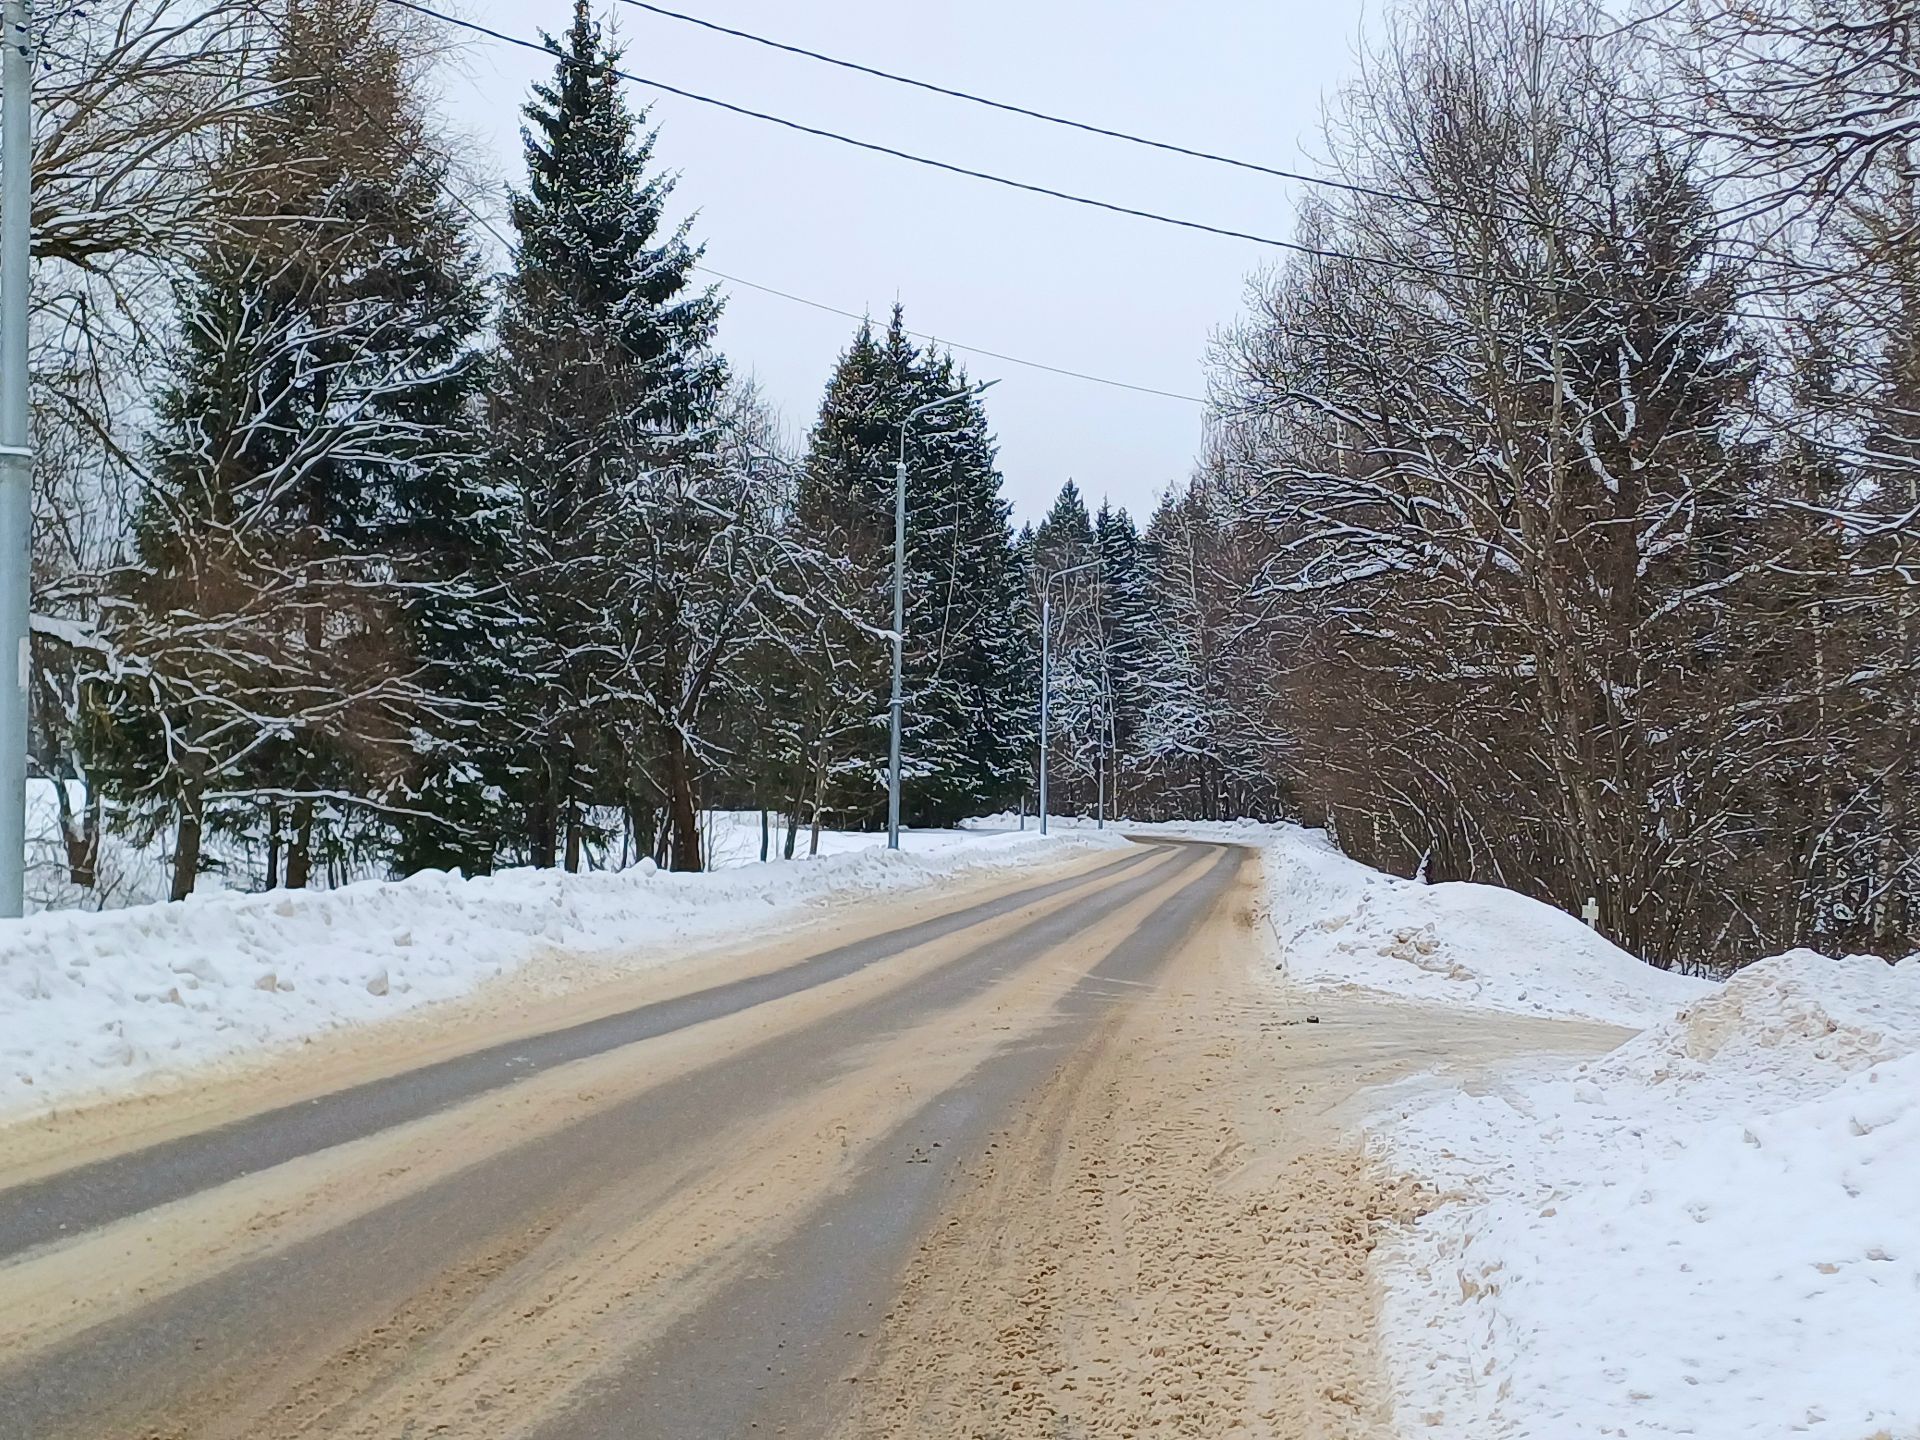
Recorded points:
(1358,1146)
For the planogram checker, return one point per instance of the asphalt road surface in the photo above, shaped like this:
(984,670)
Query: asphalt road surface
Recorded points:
(1038,1158)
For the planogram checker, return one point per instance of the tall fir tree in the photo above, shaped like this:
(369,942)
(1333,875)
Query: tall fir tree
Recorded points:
(1124,617)
(604,418)
(1064,537)
(300,601)
(967,666)
(967,680)
(1065,572)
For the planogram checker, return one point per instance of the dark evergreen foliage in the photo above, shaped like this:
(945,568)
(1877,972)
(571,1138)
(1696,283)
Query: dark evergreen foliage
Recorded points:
(604,419)
(301,603)
(967,672)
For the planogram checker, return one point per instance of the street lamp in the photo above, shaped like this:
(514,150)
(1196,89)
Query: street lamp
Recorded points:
(1046,671)
(900,600)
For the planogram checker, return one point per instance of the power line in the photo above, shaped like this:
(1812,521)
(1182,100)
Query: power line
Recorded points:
(1293,246)
(485,221)
(1042,115)
(1325,182)
(1397,265)
(955,344)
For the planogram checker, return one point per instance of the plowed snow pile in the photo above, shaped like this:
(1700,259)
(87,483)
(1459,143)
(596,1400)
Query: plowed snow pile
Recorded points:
(1798,1016)
(1712,1231)
(99,1000)
(1340,922)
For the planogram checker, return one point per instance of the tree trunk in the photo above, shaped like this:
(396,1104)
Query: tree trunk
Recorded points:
(543,816)
(643,821)
(81,836)
(819,796)
(186,849)
(573,837)
(273,847)
(766,836)
(683,815)
(300,846)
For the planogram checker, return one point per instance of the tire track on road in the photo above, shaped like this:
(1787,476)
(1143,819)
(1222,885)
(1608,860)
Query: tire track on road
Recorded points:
(169,1367)
(72,1202)
(771,1352)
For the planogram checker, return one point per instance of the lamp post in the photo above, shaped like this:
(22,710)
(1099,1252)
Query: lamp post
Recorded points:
(1046,670)
(16,459)
(900,601)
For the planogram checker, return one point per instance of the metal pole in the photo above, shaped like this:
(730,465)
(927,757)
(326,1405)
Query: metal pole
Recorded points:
(899,631)
(16,460)
(1100,781)
(1046,618)
(900,602)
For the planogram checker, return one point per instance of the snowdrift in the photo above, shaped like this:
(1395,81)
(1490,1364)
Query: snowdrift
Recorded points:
(1710,1231)
(99,1000)
(1797,1016)
(1340,922)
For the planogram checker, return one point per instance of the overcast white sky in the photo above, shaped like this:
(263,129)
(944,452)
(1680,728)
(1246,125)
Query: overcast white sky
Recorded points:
(974,263)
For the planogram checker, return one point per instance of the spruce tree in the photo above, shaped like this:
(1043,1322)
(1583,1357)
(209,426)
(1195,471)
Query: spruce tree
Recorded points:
(604,416)
(843,512)
(299,605)
(1124,617)
(967,677)
(1063,542)
(1064,537)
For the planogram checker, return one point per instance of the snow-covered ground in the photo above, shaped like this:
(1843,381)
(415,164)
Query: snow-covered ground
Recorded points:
(96,1001)
(1339,922)
(1239,832)
(733,838)
(130,874)
(1711,1231)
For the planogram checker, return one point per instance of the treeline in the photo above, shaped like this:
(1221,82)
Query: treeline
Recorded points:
(353,558)
(1159,705)
(1578,462)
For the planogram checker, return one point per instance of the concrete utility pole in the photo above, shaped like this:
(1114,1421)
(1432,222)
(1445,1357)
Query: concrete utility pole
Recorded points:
(16,460)
(1046,673)
(900,601)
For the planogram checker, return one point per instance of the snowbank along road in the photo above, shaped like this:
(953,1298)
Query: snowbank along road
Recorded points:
(1033,1155)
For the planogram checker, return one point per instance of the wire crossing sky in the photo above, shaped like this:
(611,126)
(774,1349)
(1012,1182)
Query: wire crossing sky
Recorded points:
(1076,297)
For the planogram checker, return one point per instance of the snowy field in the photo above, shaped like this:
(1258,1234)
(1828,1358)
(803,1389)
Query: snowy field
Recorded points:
(97,1001)
(1709,1232)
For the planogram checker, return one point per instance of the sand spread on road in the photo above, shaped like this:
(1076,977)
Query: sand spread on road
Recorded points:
(1170,1237)
(1175,1238)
